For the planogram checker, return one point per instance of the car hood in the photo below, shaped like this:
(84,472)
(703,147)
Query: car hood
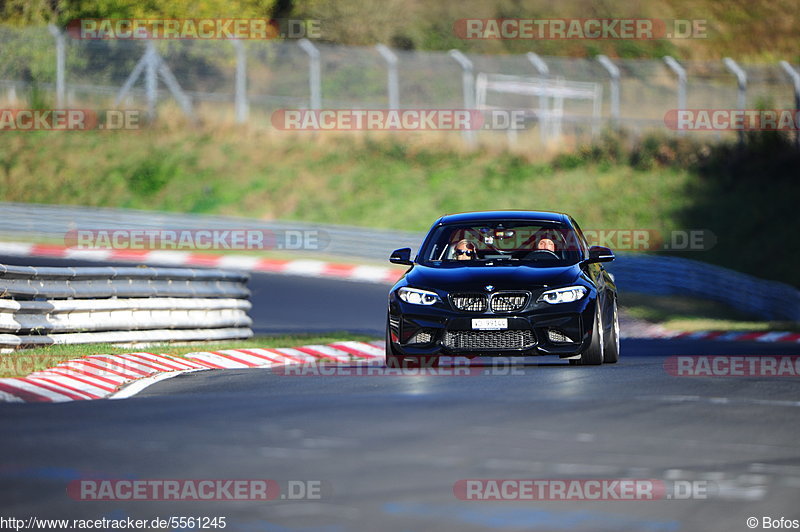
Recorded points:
(503,277)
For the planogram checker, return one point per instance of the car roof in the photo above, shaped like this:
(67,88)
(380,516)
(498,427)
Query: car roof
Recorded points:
(494,216)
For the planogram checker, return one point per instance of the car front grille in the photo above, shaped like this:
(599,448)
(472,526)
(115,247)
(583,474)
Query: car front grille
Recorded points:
(470,302)
(489,340)
(509,302)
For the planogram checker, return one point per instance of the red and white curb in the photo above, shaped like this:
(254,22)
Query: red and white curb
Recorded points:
(120,376)
(737,336)
(307,268)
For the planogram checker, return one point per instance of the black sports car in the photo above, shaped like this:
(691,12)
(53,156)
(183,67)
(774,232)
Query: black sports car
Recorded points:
(503,283)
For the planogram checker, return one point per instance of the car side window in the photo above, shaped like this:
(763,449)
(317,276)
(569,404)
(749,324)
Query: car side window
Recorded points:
(581,238)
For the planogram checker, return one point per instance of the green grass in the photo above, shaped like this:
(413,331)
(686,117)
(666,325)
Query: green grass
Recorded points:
(689,314)
(23,362)
(743,29)
(389,183)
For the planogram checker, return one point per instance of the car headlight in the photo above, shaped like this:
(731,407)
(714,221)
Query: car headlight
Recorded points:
(563,295)
(415,296)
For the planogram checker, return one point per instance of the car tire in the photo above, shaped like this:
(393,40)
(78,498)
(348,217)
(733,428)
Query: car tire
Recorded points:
(392,359)
(611,351)
(593,355)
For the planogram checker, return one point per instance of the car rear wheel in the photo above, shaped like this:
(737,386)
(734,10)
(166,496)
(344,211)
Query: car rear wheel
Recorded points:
(593,355)
(611,350)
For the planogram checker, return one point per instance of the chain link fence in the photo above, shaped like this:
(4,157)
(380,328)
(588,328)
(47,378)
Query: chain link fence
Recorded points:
(245,81)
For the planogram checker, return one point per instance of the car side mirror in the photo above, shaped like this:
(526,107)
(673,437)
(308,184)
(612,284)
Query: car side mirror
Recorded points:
(600,254)
(401,256)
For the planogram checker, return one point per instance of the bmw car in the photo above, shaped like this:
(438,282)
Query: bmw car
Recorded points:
(503,283)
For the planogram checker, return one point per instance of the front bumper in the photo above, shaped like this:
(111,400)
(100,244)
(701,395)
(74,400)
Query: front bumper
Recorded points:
(417,330)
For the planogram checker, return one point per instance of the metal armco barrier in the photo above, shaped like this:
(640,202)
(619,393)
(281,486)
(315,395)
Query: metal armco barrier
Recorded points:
(44,305)
(53,222)
(659,275)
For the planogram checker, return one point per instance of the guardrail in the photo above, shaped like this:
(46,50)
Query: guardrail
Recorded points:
(45,305)
(54,221)
(659,275)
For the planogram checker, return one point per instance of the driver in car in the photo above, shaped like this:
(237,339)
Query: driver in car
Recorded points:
(546,244)
(464,250)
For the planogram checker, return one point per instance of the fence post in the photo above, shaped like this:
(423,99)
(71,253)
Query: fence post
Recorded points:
(151,65)
(392,86)
(544,114)
(151,79)
(681,73)
(741,79)
(314,78)
(613,71)
(241,105)
(60,65)
(468,88)
(795,77)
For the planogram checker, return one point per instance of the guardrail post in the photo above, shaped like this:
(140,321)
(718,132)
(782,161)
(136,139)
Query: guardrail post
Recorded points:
(468,89)
(544,112)
(392,85)
(681,73)
(60,65)
(795,77)
(741,79)
(241,103)
(314,78)
(613,71)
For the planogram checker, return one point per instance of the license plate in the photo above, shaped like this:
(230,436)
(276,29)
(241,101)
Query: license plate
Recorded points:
(489,324)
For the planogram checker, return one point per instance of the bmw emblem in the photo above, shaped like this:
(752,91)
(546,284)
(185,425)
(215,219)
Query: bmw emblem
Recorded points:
(489,287)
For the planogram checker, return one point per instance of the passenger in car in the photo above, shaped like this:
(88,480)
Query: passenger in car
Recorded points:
(465,250)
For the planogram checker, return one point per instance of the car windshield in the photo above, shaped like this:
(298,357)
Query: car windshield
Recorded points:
(538,244)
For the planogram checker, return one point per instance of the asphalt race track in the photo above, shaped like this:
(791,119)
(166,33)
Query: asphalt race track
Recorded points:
(388,450)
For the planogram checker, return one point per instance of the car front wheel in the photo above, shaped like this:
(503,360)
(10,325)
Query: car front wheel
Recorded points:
(392,360)
(593,355)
